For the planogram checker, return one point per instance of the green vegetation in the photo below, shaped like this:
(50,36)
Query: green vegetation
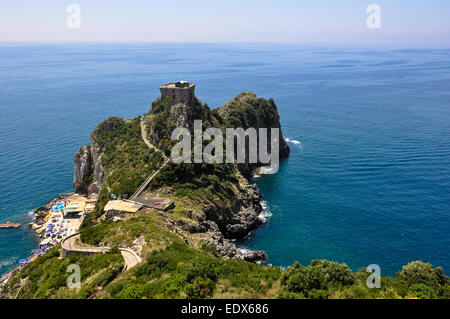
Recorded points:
(162,123)
(325,279)
(214,182)
(47,276)
(126,159)
(180,271)
(124,232)
(247,110)
(314,280)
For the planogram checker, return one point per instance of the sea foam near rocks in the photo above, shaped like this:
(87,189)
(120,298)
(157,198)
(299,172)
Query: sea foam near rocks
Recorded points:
(265,213)
(295,142)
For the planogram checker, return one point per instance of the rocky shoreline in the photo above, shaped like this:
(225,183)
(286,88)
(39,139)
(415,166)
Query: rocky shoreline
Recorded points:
(40,213)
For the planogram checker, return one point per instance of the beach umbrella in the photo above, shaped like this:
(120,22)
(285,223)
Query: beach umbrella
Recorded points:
(38,250)
(22,261)
(43,246)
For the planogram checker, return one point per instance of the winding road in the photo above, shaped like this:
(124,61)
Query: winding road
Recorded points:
(70,245)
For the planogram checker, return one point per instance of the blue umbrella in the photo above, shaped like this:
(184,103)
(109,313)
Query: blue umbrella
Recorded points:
(38,250)
(22,261)
(43,246)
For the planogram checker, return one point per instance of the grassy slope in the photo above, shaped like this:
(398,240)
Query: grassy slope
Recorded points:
(180,271)
(47,276)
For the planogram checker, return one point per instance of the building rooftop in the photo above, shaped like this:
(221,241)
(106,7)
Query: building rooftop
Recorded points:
(74,206)
(179,85)
(155,202)
(121,205)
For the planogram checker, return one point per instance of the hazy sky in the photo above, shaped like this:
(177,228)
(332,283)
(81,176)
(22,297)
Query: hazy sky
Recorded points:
(418,23)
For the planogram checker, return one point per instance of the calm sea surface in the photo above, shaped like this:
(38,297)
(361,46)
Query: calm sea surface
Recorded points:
(368,179)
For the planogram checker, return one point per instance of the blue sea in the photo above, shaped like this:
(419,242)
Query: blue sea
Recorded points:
(368,178)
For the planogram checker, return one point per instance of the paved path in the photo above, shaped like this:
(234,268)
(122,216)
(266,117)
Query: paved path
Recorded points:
(145,184)
(144,137)
(70,245)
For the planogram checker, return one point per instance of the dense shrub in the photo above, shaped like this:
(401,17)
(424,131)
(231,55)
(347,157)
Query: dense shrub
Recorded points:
(418,272)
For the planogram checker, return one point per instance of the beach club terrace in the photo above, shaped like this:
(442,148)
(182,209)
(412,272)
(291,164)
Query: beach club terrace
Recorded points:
(74,209)
(77,206)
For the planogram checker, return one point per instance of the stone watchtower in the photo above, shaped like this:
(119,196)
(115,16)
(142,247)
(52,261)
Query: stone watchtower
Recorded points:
(180,92)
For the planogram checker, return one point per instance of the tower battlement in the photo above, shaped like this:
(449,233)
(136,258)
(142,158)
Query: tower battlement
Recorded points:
(180,92)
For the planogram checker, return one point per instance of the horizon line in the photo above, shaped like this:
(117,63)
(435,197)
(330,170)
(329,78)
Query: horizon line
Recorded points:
(340,44)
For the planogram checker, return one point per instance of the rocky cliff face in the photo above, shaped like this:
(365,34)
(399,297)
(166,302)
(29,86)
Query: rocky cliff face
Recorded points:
(82,169)
(237,221)
(88,172)
(166,116)
(246,110)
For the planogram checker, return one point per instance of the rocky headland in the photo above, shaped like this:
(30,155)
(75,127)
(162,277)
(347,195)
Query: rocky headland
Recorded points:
(218,223)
